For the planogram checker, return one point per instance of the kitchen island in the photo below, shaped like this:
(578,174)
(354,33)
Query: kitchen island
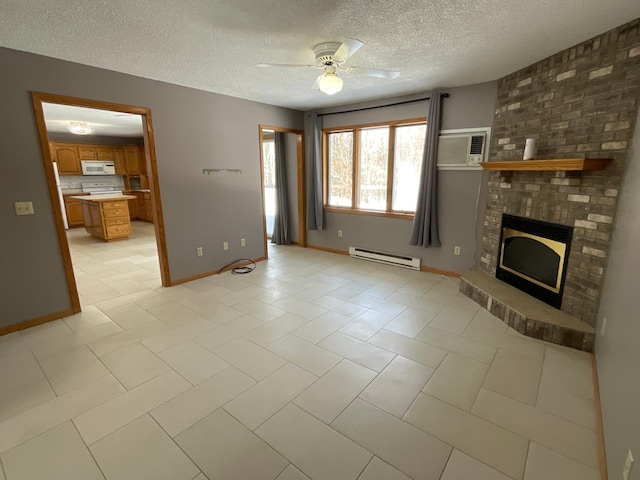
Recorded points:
(106,216)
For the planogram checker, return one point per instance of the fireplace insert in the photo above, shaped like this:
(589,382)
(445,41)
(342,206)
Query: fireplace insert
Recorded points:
(533,257)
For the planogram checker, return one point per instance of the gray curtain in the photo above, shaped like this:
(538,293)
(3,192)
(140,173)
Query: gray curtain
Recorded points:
(281,233)
(313,130)
(424,231)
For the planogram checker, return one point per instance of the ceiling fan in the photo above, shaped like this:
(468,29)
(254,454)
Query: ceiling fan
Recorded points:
(330,57)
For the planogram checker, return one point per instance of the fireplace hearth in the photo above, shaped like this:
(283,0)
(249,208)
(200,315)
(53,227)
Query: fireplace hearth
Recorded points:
(533,257)
(526,290)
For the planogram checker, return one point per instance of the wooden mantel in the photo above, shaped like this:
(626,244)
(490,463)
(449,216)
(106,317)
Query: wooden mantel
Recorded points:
(575,164)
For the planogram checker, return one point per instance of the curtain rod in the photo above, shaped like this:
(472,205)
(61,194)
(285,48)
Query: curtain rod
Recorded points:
(444,95)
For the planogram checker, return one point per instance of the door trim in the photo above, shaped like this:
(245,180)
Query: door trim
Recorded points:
(154,186)
(302,217)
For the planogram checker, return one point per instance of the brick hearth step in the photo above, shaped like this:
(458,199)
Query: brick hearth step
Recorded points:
(526,314)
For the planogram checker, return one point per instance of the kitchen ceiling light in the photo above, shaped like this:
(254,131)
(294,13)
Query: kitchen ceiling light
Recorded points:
(79,128)
(330,83)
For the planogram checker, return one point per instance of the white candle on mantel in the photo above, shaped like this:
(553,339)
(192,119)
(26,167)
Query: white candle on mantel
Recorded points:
(529,149)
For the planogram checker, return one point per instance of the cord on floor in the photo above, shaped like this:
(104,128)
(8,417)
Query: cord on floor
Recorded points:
(242,269)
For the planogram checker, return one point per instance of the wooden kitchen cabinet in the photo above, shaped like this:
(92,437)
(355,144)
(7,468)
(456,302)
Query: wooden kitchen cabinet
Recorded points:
(133,209)
(142,211)
(148,207)
(105,153)
(66,156)
(87,152)
(118,161)
(95,152)
(126,160)
(144,206)
(142,160)
(73,207)
(131,159)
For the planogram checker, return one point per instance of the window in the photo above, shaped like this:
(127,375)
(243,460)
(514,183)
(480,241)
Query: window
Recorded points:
(409,147)
(269,168)
(374,168)
(341,169)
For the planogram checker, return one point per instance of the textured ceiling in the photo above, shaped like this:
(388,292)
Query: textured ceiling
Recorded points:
(213,45)
(102,122)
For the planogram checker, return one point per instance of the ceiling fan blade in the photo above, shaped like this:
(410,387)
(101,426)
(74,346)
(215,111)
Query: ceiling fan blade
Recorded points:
(266,65)
(348,48)
(373,72)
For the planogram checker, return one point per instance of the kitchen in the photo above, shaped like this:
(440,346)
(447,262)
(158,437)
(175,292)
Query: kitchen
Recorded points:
(101,168)
(102,181)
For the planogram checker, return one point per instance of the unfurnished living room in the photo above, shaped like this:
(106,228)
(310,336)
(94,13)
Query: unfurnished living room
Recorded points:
(319,240)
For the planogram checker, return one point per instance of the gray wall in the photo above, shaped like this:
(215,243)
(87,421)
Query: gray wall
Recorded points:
(458,191)
(617,351)
(291,157)
(193,130)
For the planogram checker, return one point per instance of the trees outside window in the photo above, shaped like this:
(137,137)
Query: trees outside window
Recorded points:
(340,179)
(374,168)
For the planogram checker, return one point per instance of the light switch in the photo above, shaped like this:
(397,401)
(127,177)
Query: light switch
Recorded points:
(24,208)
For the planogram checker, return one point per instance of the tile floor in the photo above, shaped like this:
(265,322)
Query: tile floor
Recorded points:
(314,366)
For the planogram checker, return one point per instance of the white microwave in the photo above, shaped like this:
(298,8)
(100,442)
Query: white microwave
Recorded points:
(93,167)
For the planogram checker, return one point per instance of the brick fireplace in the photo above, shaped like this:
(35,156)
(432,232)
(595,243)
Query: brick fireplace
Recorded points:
(581,102)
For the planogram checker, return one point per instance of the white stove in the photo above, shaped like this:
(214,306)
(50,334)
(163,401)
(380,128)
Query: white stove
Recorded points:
(95,188)
(111,193)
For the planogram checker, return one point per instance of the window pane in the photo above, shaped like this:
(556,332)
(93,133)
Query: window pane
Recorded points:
(374,154)
(269,159)
(409,146)
(340,169)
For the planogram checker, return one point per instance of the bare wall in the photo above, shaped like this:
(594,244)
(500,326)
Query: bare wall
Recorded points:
(193,130)
(617,351)
(458,191)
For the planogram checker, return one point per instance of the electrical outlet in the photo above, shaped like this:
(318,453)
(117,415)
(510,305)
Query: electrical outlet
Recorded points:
(628,464)
(604,325)
(339,233)
(24,208)
(243,243)
(456,250)
(199,251)
(225,245)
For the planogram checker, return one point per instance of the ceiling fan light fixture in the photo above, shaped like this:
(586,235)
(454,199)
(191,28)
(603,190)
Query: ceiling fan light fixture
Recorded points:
(330,83)
(79,128)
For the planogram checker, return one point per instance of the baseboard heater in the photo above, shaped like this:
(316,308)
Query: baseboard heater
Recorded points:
(387,258)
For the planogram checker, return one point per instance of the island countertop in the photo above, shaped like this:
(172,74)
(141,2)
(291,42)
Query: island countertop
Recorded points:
(103,198)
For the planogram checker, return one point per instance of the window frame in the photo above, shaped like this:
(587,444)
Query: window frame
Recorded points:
(355,191)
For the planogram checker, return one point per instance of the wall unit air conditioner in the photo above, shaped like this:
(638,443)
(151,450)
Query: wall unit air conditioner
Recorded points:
(463,149)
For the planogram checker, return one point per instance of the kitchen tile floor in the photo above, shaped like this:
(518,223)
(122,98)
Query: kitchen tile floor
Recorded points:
(314,366)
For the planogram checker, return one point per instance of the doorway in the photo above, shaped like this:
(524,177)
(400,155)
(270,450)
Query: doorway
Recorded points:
(293,148)
(147,161)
